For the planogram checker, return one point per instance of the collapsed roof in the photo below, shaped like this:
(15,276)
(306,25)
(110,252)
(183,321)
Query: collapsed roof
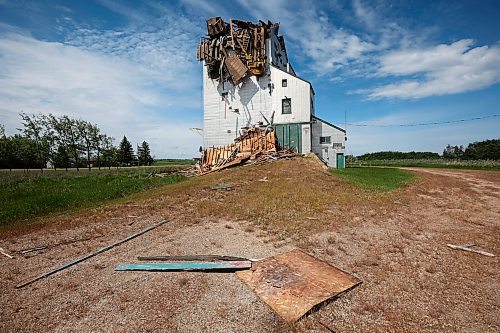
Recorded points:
(235,50)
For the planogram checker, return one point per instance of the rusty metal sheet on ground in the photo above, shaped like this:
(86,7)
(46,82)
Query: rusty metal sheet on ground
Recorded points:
(294,282)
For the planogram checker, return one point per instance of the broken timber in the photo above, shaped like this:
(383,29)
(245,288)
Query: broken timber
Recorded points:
(187,266)
(467,247)
(253,143)
(235,50)
(78,260)
(2,251)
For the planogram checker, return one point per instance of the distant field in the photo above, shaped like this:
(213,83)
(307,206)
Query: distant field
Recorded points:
(173,162)
(28,195)
(433,163)
(379,179)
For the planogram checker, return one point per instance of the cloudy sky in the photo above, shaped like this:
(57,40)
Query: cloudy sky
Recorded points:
(130,66)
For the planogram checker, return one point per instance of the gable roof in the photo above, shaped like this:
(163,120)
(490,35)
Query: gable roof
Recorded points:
(330,124)
(295,76)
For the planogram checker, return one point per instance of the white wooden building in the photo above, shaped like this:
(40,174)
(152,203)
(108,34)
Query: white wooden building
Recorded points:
(278,96)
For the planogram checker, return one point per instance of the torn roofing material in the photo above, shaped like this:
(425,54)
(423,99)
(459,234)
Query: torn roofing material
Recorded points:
(234,50)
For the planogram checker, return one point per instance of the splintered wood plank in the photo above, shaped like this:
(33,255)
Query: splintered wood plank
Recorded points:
(294,282)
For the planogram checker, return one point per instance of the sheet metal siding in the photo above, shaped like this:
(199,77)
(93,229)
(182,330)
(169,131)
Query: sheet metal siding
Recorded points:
(297,90)
(221,124)
(326,151)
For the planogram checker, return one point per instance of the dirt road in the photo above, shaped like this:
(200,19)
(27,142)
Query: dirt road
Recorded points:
(395,243)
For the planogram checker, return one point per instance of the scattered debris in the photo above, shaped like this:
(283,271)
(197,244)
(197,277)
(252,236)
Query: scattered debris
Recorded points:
(2,251)
(194,258)
(468,247)
(32,249)
(230,266)
(256,146)
(227,187)
(294,283)
(78,260)
(253,142)
(235,50)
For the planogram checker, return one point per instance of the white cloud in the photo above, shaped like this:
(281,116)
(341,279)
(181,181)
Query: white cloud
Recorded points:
(120,93)
(315,36)
(440,70)
(366,15)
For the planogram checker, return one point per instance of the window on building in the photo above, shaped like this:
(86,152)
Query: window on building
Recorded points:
(284,83)
(325,139)
(337,145)
(286,106)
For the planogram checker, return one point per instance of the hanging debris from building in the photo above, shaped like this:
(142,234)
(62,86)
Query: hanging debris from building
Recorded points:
(235,50)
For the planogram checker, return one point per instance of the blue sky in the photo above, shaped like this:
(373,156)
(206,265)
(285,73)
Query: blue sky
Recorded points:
(130,66)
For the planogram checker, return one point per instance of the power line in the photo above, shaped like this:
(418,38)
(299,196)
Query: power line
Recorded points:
(425,124)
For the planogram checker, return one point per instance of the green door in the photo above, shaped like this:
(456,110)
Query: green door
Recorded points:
(340,161)
(289,136)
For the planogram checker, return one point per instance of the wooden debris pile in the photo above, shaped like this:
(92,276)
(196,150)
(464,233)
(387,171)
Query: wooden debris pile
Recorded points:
(233,51)
(256,145)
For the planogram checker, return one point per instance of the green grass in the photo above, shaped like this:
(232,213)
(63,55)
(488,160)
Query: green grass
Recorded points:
(378,179)
(172,162)
(25,196)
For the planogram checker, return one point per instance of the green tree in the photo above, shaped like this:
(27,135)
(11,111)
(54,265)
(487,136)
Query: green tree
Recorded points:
(126,152)
(34,131)
(89,135)
(484,150)
(109,153)
(144,154)
(72,138)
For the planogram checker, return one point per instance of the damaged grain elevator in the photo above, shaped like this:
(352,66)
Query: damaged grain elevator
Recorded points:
(249,81)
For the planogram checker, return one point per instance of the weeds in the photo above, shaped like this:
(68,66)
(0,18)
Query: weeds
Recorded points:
(378,179)
(26,196)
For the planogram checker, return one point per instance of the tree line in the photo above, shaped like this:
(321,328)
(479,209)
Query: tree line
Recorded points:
(483,150)
(397,155)
(63,142)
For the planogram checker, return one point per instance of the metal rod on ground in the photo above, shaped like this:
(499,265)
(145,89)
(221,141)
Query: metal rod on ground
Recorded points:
(37,248)
(78,260)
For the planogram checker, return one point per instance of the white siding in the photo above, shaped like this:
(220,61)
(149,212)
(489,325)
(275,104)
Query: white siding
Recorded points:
(221,125)
(299,91)
(327,152)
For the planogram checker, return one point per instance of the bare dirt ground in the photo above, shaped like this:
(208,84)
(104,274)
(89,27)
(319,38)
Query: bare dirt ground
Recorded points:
(395,243)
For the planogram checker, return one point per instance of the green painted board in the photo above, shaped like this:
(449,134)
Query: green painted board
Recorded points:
(187,266)
(289,136)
